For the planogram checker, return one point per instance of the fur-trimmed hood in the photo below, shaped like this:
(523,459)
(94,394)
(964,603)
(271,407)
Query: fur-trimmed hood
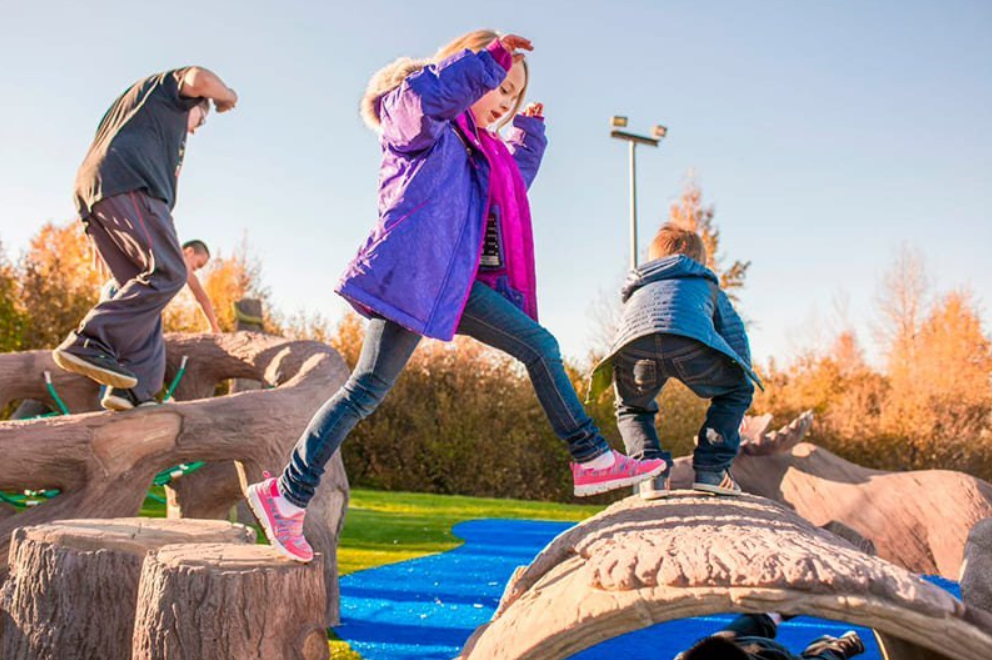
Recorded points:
(384,81)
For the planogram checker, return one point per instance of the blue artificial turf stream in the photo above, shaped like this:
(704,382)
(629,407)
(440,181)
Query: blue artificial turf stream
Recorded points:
(425,609)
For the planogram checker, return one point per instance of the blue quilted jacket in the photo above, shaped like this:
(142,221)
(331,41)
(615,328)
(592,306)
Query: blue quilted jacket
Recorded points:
(677,296)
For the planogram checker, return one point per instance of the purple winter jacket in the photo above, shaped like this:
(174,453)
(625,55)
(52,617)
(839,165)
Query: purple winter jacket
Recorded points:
(419,263)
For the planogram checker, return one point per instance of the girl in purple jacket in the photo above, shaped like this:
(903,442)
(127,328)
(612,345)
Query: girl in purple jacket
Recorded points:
(453,252)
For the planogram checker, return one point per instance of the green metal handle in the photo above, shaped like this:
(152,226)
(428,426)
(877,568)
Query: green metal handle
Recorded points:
(55,395)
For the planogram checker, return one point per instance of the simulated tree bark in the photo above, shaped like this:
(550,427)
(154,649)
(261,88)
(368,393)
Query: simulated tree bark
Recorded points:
(919,520)
(73,585)
(639,563)
(225,601)
(104,463)
(976,571)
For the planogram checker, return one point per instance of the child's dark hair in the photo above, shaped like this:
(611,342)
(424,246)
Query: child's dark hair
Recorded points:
(672,239)
(717,647)
(198,246)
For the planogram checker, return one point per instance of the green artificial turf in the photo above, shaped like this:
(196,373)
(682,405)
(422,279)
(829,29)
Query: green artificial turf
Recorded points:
(385,528)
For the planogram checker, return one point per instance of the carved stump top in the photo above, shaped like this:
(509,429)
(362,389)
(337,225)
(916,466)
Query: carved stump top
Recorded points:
(135,535)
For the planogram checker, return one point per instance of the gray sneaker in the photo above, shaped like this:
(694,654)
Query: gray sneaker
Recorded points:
(655,488)
(716,483)
(846,646)
(120,399)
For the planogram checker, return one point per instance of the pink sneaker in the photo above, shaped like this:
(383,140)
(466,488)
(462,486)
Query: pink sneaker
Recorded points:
(625,471)
(285,533)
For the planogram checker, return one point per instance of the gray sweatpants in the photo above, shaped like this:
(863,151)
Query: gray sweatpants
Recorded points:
(135,236)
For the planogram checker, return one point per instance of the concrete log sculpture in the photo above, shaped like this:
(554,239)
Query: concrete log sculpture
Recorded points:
(103,463)
(919,520)
(73,587)
(976,571)
(639,563)
(227,601)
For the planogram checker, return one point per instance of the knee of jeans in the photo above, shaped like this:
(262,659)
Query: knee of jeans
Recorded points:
(545,347)
(365,392)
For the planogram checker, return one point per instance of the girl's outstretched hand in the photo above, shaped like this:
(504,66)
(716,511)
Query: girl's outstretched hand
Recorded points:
(513,42)
(534,110)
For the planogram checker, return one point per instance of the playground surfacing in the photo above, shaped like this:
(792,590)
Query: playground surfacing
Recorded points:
(427,608)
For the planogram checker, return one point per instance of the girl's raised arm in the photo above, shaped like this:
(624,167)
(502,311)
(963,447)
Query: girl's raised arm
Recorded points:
(527,142)
(414,114)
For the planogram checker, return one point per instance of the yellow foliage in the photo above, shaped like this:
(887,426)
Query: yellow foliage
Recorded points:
(930,407)
(226,279)
(60,278)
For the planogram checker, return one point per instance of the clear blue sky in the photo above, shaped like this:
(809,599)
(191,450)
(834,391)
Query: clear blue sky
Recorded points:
(826,134)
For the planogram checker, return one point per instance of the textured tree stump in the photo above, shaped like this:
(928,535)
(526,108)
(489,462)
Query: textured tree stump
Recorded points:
(73,585)
(248,318)
(103,463)
(232,602)
(248,315)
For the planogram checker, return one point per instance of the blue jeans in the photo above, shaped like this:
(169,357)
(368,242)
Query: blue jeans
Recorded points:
(489,318)
(643,367)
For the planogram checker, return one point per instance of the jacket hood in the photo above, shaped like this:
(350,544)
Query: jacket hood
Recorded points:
(384,81)
(667,268)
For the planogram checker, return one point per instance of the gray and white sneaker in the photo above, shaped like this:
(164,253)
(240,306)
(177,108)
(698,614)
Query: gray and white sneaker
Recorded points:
(846,646)
(120,399)
(716,483)
(655,488)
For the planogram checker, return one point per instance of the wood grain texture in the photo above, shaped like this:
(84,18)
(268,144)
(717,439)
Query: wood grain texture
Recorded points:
(103,463)
(225,601)
(639,563)
(73,585)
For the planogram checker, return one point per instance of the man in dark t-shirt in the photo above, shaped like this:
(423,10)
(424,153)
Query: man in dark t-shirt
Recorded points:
(125,191)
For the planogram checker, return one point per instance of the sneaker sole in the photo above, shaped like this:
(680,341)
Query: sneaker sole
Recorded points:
(116,403)
(715,490)
(257,510)
(605,487)
(71,363)
(656,495)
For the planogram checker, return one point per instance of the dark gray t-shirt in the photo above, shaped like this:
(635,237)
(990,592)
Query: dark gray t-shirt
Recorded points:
(139,144)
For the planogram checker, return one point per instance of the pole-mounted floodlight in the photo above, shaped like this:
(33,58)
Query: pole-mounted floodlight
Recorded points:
(657,134)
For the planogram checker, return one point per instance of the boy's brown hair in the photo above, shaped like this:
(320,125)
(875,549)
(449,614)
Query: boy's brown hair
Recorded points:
(672,239)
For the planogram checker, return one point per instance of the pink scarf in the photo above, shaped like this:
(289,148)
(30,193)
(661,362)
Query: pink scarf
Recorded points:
(516,279)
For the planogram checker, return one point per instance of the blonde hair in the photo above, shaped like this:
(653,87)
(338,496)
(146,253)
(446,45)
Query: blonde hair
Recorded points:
(672,239)
(476,41)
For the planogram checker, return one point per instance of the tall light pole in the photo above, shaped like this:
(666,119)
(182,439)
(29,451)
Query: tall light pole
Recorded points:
(657,133)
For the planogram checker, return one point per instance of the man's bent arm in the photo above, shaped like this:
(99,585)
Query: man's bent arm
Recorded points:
(203,83)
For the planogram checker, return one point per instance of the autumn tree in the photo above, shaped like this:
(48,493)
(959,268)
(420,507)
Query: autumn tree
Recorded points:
(930,404)
(12,320)
(59,281)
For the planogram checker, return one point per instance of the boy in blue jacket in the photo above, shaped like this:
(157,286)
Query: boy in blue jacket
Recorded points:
(677,323)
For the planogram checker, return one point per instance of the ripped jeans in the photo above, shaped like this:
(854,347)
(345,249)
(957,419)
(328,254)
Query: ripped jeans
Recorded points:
(643,367)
